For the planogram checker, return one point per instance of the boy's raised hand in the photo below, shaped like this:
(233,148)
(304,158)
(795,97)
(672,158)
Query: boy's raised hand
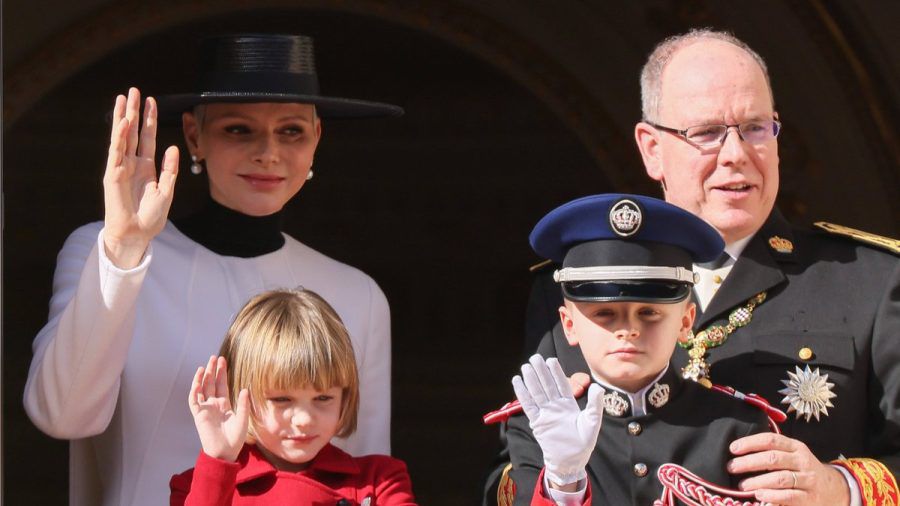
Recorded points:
(566,434)
(222,430)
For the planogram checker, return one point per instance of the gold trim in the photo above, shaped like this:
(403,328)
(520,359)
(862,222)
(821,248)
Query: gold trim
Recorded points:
(506,489)
(877,486)
(540,265)
(890,244)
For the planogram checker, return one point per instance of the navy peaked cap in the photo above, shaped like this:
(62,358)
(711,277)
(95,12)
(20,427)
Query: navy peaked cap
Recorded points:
(589,219)
(619,247)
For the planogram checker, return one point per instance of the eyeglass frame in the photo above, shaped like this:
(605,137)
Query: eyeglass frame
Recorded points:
(721,141)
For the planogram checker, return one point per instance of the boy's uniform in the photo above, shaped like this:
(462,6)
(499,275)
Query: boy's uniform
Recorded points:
(692,428)
(620,249)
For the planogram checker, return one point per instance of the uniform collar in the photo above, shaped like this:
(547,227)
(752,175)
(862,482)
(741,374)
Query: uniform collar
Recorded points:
(758,269)
(735,249)
(330,459)
(650,399)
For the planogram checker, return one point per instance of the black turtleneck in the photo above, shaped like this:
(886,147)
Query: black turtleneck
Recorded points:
(231,233)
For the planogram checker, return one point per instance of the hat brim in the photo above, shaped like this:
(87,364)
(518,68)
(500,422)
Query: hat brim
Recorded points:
(171,106)
(657,292)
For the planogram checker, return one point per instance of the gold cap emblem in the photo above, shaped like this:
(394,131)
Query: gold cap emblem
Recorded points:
(780,244)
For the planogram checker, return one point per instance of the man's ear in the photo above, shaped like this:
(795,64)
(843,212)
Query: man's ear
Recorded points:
(647,139)
(568,325)
(191,131)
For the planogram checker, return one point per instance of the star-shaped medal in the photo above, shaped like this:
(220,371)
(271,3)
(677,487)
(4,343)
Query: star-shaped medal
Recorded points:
(807,393)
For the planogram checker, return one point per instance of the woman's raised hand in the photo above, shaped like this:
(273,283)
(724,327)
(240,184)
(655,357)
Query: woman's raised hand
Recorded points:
(136,203)
(222,430)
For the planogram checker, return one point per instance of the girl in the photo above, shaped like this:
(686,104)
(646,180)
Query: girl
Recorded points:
(290,360)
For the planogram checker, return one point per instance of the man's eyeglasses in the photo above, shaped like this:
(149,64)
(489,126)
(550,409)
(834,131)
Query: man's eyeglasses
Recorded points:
(712,136)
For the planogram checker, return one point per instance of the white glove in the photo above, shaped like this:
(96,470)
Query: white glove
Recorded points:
(566,435)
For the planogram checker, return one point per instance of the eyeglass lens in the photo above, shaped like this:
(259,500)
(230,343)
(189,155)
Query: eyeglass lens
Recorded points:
(754,132)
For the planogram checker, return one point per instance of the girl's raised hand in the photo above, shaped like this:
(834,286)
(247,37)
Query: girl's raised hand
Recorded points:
(136,203)
(222,430)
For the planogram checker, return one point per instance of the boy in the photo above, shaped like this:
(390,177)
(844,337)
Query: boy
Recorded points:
(626,279)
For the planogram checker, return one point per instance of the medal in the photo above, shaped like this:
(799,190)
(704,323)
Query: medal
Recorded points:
(807,393)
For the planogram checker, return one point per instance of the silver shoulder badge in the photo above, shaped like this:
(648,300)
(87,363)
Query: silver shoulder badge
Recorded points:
(625,218)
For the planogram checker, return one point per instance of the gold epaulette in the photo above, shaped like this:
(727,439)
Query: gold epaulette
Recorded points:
(892,245)
(538,266)
(877,486)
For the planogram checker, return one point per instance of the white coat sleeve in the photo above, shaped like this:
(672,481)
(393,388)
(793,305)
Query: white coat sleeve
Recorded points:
(374,423)
(73,382)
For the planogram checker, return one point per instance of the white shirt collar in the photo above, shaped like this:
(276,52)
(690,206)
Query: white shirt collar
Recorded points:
(735,249)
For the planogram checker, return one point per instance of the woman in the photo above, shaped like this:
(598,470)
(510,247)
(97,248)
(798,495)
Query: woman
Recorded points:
(138,300)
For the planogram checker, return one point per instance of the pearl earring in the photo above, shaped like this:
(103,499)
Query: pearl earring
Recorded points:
(196,168)
(309,175)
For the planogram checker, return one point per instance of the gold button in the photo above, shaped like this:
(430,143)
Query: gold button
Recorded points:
(717,279)
(805,353)
(634,428)
(640,469)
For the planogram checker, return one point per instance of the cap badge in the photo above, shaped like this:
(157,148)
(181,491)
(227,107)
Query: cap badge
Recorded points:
(659,395)
(625,218)
(781,245)
(614,404)
(807,393)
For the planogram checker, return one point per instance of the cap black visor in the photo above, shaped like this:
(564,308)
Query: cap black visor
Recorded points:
(659,292)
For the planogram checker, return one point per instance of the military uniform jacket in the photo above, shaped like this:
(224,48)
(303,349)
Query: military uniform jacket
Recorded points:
(693,429)
(835,296)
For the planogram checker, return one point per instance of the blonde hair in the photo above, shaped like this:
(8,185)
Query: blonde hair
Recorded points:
(284,339)
(651,73)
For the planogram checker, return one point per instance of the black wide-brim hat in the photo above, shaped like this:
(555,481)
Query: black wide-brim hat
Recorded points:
(265,68)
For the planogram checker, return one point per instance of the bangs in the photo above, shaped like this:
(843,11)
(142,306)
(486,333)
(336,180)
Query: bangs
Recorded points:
(284,340)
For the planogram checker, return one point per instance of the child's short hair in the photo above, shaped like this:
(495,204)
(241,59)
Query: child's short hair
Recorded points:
(285,339)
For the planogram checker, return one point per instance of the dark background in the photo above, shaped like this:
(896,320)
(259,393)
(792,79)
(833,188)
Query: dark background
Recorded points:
(512,109)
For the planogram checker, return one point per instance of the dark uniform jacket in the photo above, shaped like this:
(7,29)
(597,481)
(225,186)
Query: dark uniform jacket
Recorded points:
(833,295)
(694,429)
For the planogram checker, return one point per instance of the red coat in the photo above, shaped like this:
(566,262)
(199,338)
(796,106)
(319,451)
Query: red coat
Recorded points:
(332,477)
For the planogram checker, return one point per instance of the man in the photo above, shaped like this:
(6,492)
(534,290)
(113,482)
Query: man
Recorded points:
(815,317)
